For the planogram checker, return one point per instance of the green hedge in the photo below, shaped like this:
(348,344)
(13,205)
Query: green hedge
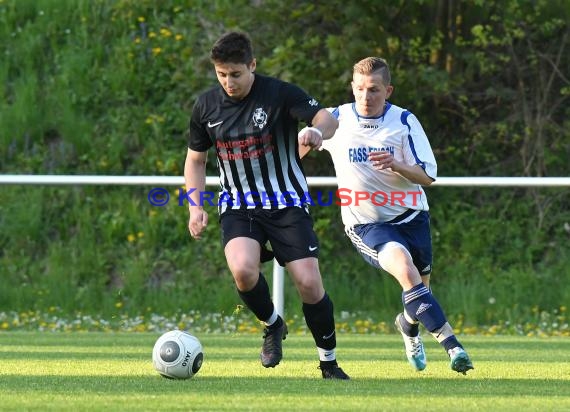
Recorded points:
(106,87)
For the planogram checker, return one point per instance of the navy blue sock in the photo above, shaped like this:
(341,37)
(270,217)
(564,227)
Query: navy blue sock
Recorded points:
(258,299)
(410,329)
(420,304)
(451,343)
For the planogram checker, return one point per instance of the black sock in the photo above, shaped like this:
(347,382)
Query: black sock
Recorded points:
(278,323)
(258,299)
(320,320)
(328,364)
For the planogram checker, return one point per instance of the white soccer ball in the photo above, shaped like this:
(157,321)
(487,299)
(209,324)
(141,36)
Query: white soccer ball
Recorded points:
(177,355)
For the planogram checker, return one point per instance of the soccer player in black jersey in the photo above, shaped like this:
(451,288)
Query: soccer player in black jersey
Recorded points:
(252,122)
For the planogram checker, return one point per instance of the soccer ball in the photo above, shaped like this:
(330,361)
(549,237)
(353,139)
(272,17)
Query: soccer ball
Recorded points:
(177,355)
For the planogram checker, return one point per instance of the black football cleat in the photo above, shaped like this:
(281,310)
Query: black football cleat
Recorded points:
(333,372)
(271,350)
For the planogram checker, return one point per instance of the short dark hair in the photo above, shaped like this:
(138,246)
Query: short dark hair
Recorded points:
(233,47)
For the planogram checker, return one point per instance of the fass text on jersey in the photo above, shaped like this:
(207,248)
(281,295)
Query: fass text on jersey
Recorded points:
(360,154)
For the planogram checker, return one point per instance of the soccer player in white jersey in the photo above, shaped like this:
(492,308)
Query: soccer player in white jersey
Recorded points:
(382,158)
(252,122)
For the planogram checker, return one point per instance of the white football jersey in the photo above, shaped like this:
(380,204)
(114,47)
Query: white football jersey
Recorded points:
(367,195)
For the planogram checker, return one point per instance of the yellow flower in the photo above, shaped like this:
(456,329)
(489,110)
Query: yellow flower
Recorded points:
(154,118)
(178,37)
(131,238)
(156,50)
(141,19)
(140,234)
(165,33)
(119,305)
(137,40)
(4,325)
(151,35)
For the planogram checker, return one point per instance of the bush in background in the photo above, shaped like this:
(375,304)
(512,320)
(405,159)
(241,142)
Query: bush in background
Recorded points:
(106,87)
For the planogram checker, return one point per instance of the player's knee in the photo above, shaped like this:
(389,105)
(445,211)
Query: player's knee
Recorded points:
(245,281)
(310,288)
(408,277)
(244,273)
(394,253)
(395,259)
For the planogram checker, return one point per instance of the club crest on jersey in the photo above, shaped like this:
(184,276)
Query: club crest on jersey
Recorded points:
(313,102)
(259,117)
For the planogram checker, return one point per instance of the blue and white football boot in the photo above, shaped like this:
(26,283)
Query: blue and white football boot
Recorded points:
(414,347)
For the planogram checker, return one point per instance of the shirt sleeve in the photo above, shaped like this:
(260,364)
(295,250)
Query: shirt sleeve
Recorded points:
(301,106)
(416,148)
(198,139)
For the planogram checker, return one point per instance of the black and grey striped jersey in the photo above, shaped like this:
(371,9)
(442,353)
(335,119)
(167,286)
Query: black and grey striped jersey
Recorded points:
(256,143)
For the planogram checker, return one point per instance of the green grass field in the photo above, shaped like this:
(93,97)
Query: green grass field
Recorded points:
(93,371)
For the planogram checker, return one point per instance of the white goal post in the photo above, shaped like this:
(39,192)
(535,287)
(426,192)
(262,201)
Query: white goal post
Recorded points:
(278,271)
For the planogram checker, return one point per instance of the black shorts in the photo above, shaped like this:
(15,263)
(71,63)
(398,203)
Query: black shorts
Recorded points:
(289,231)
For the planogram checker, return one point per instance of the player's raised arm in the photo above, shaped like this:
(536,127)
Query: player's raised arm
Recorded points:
(323,127)
(326,123)
(384,160)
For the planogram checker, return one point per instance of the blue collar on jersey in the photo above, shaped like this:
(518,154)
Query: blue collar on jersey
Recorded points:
(387,106)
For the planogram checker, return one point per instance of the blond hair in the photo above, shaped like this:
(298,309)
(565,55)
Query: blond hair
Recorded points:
(371,65)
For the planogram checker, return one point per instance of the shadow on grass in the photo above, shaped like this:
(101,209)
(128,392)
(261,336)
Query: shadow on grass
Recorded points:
(280,385)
